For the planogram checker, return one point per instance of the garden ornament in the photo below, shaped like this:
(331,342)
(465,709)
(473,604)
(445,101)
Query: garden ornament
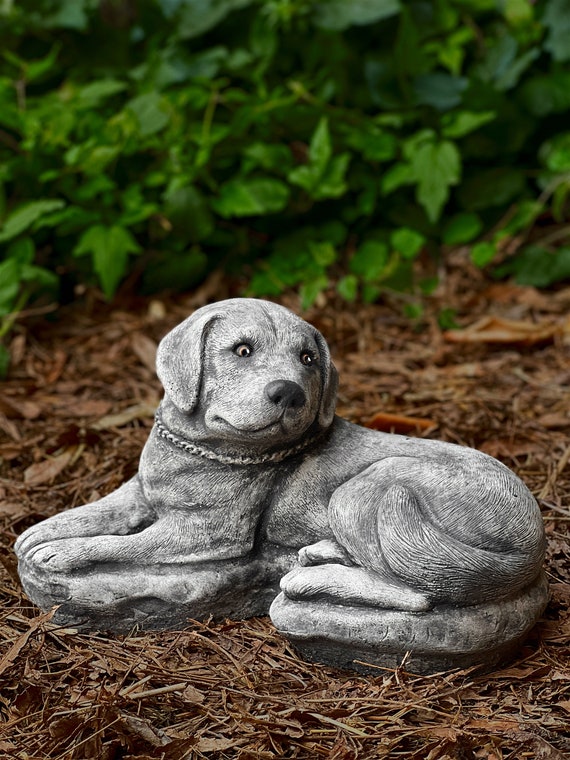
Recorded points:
(252,496)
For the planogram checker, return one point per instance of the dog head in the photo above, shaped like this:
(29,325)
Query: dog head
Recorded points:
(249,370)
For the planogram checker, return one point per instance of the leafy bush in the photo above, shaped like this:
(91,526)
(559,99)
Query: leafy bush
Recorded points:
(294,140)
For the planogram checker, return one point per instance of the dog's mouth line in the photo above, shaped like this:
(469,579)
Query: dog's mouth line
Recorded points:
(250,430)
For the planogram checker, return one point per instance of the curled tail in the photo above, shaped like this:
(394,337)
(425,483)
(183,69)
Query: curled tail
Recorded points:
(461,546)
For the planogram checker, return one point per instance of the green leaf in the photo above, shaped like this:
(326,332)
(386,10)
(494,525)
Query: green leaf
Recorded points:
(373,143)
(436,167)
(188,212)
(518,12)
(94,93)
(447,319)
(39,276)
(109,248)
(370,292)
(370,260)
(320,170)
(199,16)
(151,112)
(306,176)
(543,95)
(398,175)
(407,242)
(4,361)
(555,153)
(488,188)
(322,252)
(557,20)
(440,90)
(247,197)
(332,183)
(460,123)
(320,148)
(9,285)
(538,267)
(462,228)
(340,14)
(414,310)
(34,70)
(69,14)
(23,217)
(483,253)
(347,287)
(22,250)
(525,215)
(271,157)
(310,291)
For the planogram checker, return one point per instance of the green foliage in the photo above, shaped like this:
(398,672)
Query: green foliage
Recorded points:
(302,142)
(539,266)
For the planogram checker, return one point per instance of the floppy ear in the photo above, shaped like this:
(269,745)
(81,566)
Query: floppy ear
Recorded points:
(329,381)
(180,358)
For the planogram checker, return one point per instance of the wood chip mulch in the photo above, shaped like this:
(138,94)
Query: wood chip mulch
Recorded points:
(74,414)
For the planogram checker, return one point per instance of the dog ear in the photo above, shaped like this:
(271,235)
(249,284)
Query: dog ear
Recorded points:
(180,358)
(329,383)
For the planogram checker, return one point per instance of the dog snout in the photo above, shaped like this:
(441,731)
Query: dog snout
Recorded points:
(286,394)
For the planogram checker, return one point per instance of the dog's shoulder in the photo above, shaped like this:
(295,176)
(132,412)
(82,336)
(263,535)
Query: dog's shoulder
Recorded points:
(298,513)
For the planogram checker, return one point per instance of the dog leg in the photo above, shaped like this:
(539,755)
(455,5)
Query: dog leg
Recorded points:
(173,539)
(351,586)
(121,512)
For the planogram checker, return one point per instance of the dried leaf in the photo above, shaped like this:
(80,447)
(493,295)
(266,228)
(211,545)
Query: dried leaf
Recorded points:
(192,695)
(542,750)
(59,361)
(86,408)
(555,420)
(145,348)
(145,410)
(15,407)
(523,673)
(9,508)
(498,330)
(48,470)
(207,744)
(21,642)
(397,423)
(145,730)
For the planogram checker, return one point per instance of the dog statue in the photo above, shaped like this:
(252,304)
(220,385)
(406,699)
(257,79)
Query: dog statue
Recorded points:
(381,544)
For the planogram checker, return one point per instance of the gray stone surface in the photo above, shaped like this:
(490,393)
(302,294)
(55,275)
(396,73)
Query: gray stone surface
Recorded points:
(446,636)
(248,481)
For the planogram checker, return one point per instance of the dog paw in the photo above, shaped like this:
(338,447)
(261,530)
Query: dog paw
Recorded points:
(55,557)
(33,537)
(322,553)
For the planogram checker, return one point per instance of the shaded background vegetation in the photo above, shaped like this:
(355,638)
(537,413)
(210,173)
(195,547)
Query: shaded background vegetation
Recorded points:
(295,143)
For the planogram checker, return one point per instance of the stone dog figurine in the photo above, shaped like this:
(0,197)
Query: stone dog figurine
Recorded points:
(381,544)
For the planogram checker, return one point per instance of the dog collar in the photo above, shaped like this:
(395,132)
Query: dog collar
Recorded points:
(202,451)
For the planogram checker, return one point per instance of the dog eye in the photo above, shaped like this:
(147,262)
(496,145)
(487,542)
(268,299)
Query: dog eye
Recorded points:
(243,350)
(308,358)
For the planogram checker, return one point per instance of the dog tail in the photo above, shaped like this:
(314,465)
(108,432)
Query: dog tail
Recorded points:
(471,546)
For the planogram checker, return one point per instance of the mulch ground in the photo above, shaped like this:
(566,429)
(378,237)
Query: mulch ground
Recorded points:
(74,414)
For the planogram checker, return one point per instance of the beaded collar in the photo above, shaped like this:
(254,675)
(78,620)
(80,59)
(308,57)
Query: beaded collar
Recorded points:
(203,451)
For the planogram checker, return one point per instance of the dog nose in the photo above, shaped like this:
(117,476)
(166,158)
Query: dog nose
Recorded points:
(285,393)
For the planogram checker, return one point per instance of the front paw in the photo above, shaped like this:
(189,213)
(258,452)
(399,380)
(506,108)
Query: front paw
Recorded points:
(31,538)
(56,557)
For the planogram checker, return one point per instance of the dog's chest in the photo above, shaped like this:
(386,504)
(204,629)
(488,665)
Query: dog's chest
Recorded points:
(174,479)
(298,512)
